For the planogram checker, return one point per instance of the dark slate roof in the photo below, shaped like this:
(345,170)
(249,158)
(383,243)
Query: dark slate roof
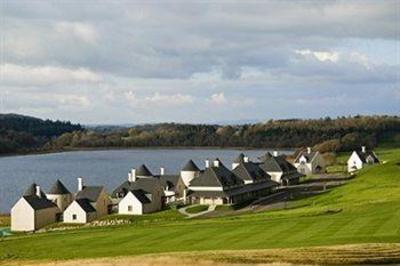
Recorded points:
(277,164)
(308,156)
(266,156)
(216,177)
(58,189)
(235,191)
(143,171)
(141,196)
(250,172)
(39,203)
(190,166)
(146,184)
(239,159)
(91,193)
(85,205)
(31,191)
(368,154)
(169,180)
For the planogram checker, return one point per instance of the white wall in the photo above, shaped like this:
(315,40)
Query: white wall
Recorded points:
(75,209)
(188,176)
(22,216)
(354,163)
(130,201)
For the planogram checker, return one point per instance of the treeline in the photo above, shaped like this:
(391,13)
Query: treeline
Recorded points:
(340,134)
(20,133)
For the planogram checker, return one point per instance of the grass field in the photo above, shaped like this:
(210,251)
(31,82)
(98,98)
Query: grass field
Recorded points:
(366,210)
(197,209)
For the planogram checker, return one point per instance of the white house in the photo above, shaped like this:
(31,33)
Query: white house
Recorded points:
(280,170)
(33,211)
(359,158)
(309,162)
(80,211)
(95,196)
(141,189)
(136,202)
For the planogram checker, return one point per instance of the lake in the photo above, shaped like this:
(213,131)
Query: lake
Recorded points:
(100,167)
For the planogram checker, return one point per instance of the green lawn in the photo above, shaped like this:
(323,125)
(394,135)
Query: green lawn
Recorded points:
(366,210)
(197,209)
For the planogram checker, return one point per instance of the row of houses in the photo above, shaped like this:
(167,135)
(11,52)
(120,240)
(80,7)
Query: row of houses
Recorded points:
(144,192)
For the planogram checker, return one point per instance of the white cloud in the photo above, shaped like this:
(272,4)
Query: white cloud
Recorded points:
(82,31)
(320,55)
(21,75)
(218,98)
(158,99)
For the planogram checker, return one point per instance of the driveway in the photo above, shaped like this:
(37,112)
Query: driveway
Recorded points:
(183,211)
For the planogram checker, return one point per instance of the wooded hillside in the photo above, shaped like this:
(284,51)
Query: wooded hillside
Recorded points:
(341,134)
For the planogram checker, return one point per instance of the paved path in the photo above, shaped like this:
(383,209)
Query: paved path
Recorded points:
(183,211)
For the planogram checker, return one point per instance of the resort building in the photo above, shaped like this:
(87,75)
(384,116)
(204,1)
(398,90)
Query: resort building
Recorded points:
(360,158)
(33,211)
(218,185)
(309,162)
(60,195)
(141,193)
(280,170)
(79,210)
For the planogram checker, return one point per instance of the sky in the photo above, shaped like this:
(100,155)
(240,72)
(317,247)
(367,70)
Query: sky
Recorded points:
(113,62)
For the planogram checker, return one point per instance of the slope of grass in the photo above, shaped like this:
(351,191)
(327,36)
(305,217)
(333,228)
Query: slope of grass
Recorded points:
(197,209)
(366,210)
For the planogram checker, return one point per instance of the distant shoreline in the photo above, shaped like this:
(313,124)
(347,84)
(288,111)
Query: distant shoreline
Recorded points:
(141,148)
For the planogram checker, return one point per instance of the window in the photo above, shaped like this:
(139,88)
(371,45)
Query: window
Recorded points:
(130,208)
(74,217)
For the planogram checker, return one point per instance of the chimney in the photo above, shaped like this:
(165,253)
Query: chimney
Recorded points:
(308,150)
(130,177)
(162,171)
(364,149)
(246,159)
(133,175)
(216,163)
(275,153)
(207,163)
(80,183)
(38,191)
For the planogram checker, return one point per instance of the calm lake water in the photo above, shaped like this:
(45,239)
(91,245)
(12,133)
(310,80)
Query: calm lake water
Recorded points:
(109,168)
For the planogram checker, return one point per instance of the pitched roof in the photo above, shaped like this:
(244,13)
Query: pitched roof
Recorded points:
(146,184)
(141,196)
(250,172)
(91,193)
(31,191)
(216,176)
(190,166)
(39,203)
(169,181)
(309,156)
(143,171)
(277,164)
(364,156)
(266,156)
(239,159)
(85,205)
(58,189)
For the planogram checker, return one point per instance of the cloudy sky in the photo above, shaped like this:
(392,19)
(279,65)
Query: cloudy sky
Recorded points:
(134,62)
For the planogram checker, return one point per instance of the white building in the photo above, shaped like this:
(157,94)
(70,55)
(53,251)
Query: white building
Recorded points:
(141,193)
(33,211)
(95,196)
(359,158)
(309,162)
(136,202)
(280,170)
